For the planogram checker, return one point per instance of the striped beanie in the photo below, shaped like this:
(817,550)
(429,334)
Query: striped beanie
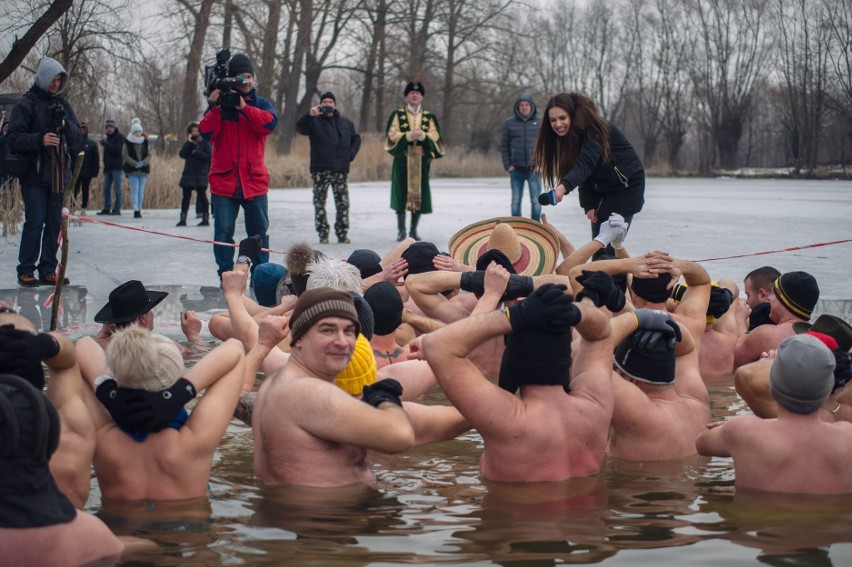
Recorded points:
(319,303)
(798,292)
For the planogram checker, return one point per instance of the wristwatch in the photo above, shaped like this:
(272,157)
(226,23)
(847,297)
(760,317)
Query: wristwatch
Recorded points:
(243,259)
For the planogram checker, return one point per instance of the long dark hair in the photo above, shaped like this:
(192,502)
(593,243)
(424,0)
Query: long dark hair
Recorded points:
(555,156)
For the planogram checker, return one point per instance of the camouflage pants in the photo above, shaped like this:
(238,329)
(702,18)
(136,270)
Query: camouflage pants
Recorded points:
(337,181)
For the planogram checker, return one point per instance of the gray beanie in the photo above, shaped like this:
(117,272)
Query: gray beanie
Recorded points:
(802,374)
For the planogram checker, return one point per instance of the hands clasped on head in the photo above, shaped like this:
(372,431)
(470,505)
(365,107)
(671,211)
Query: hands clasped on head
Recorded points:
(142,411)
(22,352)
(548,308)
(653,326)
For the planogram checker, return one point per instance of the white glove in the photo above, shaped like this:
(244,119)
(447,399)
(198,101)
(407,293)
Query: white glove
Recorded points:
(617,221)
(609,231)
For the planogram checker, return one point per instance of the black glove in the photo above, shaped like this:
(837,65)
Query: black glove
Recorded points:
(143,411)
(759,316)
(251,247)
(601,289)
(387,390)
(473,281)
(678,291)
(720,300)
(517,286)
(842,368)
(655,325)
(22,352)
(548,309)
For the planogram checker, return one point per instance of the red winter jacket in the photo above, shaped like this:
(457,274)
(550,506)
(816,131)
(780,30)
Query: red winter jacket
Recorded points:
(239,140)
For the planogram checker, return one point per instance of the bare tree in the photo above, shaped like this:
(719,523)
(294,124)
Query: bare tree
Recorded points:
(730,62)
(35,30)
(199,13)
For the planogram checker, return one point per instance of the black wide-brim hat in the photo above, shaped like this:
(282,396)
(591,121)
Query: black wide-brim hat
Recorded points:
(128,301)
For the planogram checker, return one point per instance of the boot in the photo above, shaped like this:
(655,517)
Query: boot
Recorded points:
(400,225)
(205,220)
(415,218)
(182,221)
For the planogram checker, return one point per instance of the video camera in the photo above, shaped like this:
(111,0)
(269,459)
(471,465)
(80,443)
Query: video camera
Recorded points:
(216,77)
(57,116)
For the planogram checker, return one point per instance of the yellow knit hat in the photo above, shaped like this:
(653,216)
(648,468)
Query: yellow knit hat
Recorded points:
(361,370)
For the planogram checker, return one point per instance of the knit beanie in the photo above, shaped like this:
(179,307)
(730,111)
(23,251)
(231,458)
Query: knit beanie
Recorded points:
(798,292)
(802,374)
(143,360)
(239,63)
(653,290)
(365,314)
(536,357)
(135,126)
(367,262)
(319,303)
(419,257)
(653,365)
(328,94)
(109,122)
(298,259)
(29,427)
(264,282)
(387,307)
(361,370)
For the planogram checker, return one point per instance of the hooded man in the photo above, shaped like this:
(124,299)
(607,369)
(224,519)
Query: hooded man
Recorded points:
(42,129)
(516,148)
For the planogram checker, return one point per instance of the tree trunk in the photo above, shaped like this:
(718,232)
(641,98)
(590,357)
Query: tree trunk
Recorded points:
(289,113)
(189,100)
(21,47)
(228,24)
(270,40)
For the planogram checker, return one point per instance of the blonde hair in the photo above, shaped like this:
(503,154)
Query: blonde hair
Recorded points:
(143,360)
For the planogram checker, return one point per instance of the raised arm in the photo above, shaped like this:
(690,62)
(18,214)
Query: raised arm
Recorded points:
(425,290)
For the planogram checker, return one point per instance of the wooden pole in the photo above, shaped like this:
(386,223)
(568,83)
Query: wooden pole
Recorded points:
(63,262)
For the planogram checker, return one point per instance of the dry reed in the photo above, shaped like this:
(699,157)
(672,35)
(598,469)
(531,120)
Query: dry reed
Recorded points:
(373,163)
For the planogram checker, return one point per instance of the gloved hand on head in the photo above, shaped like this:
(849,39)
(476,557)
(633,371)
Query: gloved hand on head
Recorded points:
(387,390)
(142,411)
(548,308)
(655,325)
(517,286)
(720,301)
(22,352)
(601,289)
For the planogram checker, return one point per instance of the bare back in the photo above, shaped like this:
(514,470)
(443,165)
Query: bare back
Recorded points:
(555,436)
(791,454)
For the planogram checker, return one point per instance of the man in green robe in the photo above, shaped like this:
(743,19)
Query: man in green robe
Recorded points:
(413,138)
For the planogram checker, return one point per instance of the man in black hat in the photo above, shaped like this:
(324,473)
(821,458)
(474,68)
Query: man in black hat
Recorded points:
(413,138)
(334,144)
(131,303)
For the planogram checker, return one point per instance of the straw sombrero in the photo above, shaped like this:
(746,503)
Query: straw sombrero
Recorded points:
(531,246)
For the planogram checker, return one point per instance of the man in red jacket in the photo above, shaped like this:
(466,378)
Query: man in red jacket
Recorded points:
(237,129)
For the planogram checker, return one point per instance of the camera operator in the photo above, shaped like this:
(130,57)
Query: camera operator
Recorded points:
(238,175)
(42,128)
(334,144)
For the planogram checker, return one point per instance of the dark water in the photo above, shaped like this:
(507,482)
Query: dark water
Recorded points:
(431,507)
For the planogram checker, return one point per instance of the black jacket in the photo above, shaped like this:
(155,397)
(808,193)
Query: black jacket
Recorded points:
(28,123)
(197,165)
(137,152)
(615,187)
(113,146)
(91,159)
(517,142)
(334,141)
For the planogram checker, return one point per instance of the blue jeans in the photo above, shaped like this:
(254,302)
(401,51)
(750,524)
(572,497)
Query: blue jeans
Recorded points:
(225,211)
(517,178)
(137,190)
(42,221)
(112,180)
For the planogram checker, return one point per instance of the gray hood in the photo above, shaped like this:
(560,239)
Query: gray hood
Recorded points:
(527,97)
(47,70)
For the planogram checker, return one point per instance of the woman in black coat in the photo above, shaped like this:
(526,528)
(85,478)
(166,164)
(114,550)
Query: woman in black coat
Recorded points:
(581,149)
(196,152)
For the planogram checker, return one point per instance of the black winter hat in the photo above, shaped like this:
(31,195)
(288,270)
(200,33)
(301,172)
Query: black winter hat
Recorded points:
(328,94)
(240,63)
(387,307)
(798,292)
(414,86)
